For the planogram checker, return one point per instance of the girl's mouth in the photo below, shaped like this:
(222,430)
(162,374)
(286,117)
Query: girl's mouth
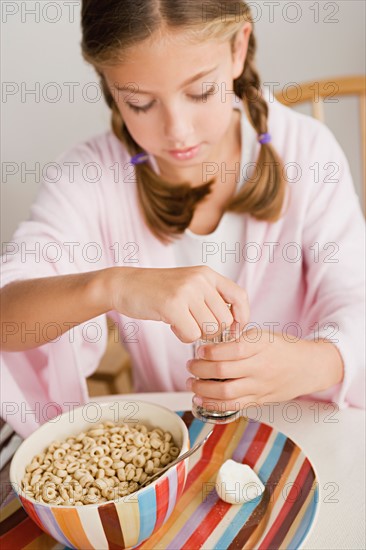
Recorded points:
(185,154)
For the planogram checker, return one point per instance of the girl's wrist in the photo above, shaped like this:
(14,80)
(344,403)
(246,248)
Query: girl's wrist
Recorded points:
(98,293)
(109,286)
(325,364)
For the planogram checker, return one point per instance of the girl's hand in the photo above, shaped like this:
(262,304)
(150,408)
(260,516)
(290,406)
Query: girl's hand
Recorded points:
(273,369)
(192,300)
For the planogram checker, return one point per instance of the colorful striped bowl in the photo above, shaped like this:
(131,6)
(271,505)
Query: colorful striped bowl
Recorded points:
(122,523)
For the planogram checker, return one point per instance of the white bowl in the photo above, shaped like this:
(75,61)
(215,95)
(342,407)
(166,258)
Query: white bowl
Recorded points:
(126,522)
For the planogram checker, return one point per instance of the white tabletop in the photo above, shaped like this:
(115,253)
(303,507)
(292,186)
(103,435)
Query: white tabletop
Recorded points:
(334,442)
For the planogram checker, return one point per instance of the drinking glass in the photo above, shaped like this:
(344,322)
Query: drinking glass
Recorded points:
(214,412)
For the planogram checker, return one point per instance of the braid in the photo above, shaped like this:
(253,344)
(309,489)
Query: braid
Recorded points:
(248,86)
(262,195)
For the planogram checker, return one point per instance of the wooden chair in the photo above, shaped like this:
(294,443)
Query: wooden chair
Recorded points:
(315,92)
(114,374)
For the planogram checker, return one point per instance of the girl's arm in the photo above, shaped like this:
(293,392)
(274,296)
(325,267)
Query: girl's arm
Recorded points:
(191,300)
(65,301)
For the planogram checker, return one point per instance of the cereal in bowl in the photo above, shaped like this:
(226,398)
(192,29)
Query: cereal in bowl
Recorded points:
(105,463)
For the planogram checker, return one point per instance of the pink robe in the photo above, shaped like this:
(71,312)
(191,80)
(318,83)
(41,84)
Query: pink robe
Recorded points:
(319,279)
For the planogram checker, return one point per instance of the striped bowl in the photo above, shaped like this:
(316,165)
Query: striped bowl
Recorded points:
(122,523)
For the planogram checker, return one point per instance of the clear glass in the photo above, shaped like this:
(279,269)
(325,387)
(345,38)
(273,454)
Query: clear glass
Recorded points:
(214,412)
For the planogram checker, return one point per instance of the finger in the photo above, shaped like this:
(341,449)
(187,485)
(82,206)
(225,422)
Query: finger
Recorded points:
(224,391)
(201,368)
(220,311)
(231,351)
(236,296)
(205,319)
(186,327)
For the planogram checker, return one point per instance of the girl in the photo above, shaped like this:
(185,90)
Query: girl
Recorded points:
(203,195)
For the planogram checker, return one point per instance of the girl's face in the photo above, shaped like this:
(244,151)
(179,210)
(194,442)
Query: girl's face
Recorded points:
(175,97)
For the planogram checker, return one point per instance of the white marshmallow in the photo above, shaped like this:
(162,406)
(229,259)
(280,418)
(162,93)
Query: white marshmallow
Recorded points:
(237,483)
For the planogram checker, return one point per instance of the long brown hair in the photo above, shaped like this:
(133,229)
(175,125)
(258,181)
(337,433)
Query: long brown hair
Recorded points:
(110,27)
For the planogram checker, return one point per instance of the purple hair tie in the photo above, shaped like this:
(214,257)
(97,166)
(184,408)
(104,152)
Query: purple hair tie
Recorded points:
(264,138)
(139,158)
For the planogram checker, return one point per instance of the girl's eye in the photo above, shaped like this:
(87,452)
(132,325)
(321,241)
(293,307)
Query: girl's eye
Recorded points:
(147,107)
(204,96)
(143,109)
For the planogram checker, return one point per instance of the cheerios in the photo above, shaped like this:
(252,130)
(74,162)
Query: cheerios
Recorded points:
(107,462)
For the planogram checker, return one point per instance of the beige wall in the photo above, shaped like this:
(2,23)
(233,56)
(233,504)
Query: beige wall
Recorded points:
(295,44)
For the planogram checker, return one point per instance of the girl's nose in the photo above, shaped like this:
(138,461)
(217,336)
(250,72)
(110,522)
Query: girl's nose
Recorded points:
(178,128)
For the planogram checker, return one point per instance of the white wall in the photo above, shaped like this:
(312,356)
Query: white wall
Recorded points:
(37,52)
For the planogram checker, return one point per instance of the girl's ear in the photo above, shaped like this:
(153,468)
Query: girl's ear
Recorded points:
(240,48)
